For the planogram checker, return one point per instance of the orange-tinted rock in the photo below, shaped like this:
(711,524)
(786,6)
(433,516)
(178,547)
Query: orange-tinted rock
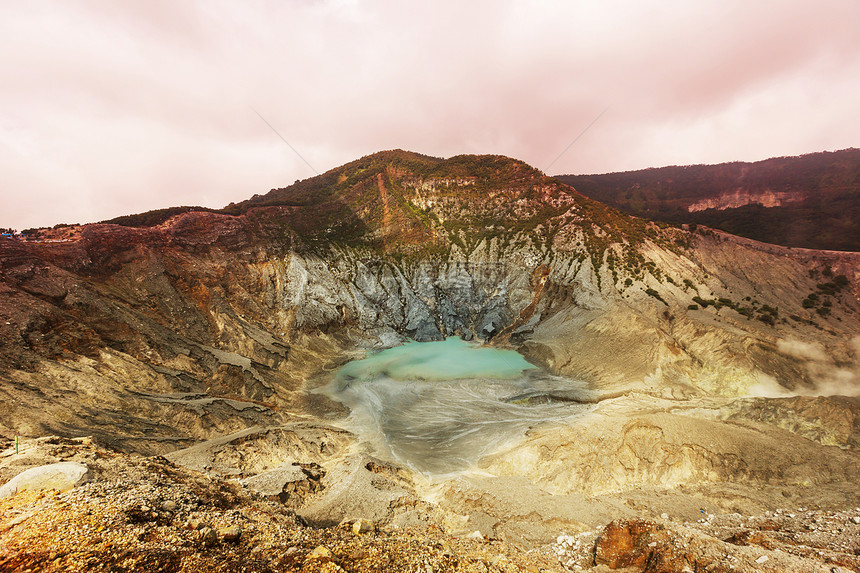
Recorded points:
(625,543)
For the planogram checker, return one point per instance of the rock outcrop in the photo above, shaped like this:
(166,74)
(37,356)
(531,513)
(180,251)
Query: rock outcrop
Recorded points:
(741,197)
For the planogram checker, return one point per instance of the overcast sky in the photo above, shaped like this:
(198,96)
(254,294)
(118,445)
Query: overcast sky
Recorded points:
(111,107)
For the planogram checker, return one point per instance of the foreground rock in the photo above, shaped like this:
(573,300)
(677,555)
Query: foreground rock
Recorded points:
(147,514)
(757,545)
(144,514)
(778,542)
(61,476)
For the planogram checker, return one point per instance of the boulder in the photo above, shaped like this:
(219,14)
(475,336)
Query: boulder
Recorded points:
(61,476)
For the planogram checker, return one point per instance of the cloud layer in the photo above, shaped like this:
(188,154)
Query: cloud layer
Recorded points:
(111,108)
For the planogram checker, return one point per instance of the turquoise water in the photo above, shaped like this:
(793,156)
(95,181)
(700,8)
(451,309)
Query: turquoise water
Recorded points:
(438,407)
(450,359)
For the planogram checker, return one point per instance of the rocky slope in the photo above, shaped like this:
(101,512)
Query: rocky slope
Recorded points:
(713,363)
(131,513)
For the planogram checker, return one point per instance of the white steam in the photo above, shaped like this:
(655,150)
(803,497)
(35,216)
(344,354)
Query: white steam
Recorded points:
(855,347)
(802,350)
(767,387)
(828,378)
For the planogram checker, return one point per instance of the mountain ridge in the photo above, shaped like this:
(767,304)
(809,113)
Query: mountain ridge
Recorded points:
(350,204)
(810,201)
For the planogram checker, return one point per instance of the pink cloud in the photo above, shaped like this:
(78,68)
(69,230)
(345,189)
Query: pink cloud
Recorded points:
(121,107)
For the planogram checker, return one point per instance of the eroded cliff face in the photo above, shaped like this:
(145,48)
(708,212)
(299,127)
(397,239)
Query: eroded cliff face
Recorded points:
(158,344)
(741,197)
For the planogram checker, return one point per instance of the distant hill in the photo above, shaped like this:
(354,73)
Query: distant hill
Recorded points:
(810,201)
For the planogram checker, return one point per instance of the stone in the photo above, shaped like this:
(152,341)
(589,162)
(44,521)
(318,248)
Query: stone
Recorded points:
(363,526)
(623,544)
(61,476)
(321,553)
(207,537)
(230,534)
(168,505)
(357,554)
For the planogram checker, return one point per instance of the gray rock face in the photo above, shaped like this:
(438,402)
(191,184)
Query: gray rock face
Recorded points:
(420,324)
(61,476)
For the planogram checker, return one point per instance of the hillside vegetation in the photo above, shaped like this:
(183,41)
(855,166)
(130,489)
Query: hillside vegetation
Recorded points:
(814,199)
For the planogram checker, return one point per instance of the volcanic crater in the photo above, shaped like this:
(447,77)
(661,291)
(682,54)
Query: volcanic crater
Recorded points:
(710,375)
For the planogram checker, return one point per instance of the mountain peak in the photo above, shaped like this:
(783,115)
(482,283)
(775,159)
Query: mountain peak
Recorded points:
(403,201)
(409,198)
(399,164)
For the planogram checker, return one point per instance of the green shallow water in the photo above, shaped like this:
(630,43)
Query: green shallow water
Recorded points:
(439,407)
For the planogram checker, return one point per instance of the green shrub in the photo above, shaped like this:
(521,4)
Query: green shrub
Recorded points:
(767,319)
(655,294)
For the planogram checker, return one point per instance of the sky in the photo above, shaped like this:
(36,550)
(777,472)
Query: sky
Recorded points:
(109,108)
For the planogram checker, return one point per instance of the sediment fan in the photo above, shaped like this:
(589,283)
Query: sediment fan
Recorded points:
(713,364)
